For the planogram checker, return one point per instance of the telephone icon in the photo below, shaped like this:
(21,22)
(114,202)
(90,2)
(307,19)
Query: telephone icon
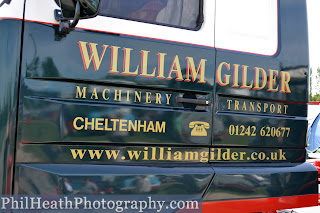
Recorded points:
(199,128)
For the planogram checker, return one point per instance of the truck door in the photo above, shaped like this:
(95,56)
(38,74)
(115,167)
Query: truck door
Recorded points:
(128,86)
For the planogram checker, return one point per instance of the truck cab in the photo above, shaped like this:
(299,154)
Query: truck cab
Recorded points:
(157,97)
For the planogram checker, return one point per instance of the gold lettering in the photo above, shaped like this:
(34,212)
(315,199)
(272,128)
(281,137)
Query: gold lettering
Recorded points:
(236,105)
(274,155)
(175,67)
(161,65)
(76,152)
(252,106)
(265,106)
(229,102)
(144,65)
(272,80)
(94,93)
(158,98)
(126,66)
(244,106)
(161,128)
(234,156)
(128,95)
(219,154)
(177,155)
(279,109)
(154,153)
(132,126)
(117,95)
(235,75)
(106,128)
(168,98)
(100,124)
(114,59)
(104,94)
(272,108)
(245,78)
(145,154)
(285,109)
(95,153)
(122,125)
(137,96)
(87,123)
(161,154)
(75,123)
(212,154)
(144,125)
(94,54)
(226,155)
(114,123)
(285,79)
(97,123)
(257,78)
(194,73)
(150,127)
(148,94)
(242,154)
(218,74)
(191,155)
(204,157)
(81,93)
(259,107)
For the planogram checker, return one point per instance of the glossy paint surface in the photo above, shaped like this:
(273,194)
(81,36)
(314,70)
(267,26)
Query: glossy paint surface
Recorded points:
(113,179)
(88,93)
(232,183)
(10,43)
(265,103)
(59,86)
(53,79)
(153,155)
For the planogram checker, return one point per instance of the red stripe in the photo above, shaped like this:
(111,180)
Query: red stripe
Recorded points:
(27,142)
(314,102)
(139,36)
(11,18)
(261,204)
